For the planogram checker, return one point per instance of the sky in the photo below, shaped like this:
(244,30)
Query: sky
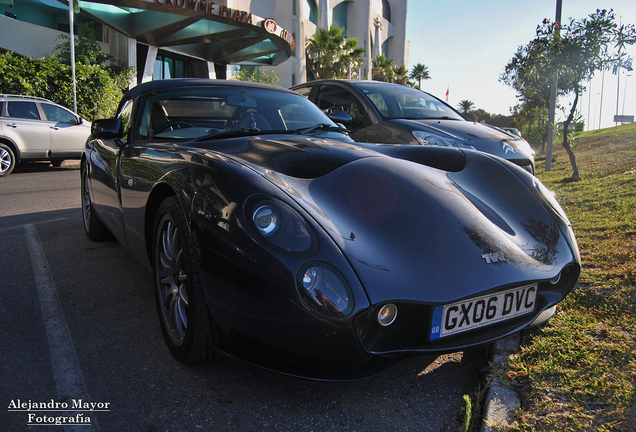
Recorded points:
(466,45)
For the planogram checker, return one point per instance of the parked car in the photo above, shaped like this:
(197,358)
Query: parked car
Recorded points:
(36,129)
(513,131)
(272,241)
(388,113)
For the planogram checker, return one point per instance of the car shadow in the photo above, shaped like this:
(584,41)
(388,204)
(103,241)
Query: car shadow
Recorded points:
(31,167)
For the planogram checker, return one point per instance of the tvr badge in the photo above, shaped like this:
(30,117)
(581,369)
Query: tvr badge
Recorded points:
(494,257)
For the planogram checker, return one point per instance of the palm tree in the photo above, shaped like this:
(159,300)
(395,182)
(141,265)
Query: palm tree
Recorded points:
(401,75)
(419,72)
(351,58)
(382,68)
(331,53)
(465,106)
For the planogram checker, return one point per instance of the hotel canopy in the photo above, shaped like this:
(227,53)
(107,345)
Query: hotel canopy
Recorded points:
(198,28)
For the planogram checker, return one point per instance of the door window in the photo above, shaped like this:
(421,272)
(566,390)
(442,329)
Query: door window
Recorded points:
(332,99)
(58,114)
(304,92)
(23,110)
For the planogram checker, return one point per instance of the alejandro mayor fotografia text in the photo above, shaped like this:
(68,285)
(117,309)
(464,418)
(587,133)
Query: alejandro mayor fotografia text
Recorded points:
(56,413)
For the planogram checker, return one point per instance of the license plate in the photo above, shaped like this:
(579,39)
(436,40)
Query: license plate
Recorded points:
(481,311)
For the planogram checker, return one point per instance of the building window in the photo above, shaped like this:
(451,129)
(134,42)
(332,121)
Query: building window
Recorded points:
(340,15)
(313,11)
(385,48)
(386,10)
(168,65)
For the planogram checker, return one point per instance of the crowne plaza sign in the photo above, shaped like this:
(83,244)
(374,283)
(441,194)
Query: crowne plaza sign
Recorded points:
(212,8)
(209,7)
(271,26)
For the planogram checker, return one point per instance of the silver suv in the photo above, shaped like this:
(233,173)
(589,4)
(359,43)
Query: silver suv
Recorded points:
(36,129)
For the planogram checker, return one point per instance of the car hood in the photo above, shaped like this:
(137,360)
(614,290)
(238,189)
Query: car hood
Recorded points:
(481,136)
(414,232)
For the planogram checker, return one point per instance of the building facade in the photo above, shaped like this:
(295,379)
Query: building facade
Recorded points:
(204,38)
(378,25)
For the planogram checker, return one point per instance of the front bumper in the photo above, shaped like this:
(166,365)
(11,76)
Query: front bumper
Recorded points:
(410,334)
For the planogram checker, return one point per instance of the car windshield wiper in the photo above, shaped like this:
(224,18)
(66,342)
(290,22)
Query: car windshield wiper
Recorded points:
(431,118)
(322,127)
(255,131)
(234,133)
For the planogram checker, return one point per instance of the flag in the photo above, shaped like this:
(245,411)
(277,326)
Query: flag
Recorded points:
(76,7)
(447,91)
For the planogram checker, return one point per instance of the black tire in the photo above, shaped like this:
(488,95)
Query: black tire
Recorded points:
(93,227)
(7,160)
(181,306)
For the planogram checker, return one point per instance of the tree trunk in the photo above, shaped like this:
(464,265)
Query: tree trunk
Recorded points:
(542,149)
(566,143)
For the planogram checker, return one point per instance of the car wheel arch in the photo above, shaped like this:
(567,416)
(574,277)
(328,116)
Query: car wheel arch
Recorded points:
(13,146)
(158,194)
(9,159)
(183,312)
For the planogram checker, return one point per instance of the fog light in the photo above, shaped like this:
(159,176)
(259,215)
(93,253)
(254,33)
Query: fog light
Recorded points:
(387,314)
(543,316)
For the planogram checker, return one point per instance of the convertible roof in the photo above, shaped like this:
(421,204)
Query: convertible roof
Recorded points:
(197,82)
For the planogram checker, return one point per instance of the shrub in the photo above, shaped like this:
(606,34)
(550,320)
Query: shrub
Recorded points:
(99,88)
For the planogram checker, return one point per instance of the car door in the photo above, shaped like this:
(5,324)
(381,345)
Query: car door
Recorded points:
(332,98)
(24,126)
(105,176)
(68,131)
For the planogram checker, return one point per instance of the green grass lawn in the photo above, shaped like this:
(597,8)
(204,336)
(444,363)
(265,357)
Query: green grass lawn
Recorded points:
(579,372)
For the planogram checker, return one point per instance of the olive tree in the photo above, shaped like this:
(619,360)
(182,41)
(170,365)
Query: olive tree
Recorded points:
(574,52)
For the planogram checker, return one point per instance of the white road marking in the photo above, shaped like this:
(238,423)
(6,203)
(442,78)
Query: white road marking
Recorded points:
(37,223)
(66,368)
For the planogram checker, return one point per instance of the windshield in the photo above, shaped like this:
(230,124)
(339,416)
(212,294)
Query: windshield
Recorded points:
(402,102)
(196,112)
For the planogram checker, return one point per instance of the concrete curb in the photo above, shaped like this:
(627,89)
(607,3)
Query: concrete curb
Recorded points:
(501,401)
(71,163)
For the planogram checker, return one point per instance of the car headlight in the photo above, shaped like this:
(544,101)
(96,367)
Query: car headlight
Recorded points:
(324,289)
(433,139)
(525,147)
(282,227)
(550,199)
(266,219)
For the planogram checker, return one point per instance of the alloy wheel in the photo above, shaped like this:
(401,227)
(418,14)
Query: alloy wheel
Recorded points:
(172,281)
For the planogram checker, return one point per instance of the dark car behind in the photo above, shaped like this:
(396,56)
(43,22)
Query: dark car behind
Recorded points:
(387,113)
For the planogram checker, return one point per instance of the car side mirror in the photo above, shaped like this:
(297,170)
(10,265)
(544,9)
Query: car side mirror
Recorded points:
(107,128)
(341,117)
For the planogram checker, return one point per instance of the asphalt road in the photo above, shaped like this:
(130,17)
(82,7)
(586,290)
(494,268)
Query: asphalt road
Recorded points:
(78,325)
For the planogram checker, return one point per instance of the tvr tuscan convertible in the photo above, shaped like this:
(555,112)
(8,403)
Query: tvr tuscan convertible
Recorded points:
(274,238)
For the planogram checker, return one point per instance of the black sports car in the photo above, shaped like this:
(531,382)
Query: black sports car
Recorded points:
(388,113)
(272,242)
